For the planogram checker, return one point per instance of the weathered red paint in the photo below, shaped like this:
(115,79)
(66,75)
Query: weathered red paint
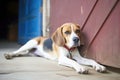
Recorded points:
(63,11)
(106,45)
(97,17)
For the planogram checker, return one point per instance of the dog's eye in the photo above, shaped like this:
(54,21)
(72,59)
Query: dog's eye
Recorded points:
(77,31)
(67,32)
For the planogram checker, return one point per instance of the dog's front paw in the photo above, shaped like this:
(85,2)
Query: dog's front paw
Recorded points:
(81,70)
(8,56)
(99,68)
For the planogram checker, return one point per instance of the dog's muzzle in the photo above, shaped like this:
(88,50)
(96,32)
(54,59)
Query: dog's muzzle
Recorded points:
(76,41)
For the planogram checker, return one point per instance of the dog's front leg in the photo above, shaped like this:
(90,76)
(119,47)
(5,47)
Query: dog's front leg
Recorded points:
(98,67)
(63,60)
(90,62)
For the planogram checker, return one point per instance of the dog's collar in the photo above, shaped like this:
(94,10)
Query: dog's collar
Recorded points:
(69,49)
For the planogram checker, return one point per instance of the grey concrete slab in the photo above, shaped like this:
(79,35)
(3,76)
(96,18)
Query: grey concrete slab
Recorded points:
(36,68)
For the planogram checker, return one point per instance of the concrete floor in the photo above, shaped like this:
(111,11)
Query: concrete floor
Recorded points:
(36,68)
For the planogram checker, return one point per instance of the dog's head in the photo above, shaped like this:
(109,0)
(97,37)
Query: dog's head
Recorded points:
(68,34)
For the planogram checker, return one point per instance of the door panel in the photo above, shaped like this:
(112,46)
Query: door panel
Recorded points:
(30,20)
(77,11)
(97,18)
(106,45)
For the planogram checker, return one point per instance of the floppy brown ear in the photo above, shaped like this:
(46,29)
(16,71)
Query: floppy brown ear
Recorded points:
(58,38)
(81,36)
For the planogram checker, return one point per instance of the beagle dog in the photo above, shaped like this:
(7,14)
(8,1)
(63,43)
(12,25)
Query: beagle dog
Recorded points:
(62,46)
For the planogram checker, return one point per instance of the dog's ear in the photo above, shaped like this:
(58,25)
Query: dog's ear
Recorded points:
(58,38)
(81,36)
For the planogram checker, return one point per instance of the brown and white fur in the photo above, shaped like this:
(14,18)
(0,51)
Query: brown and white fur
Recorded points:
(62,46)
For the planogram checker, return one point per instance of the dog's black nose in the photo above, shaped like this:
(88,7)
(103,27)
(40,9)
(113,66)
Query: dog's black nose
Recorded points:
(76,39)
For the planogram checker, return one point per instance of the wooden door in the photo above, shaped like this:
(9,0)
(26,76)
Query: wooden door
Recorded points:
(100,24)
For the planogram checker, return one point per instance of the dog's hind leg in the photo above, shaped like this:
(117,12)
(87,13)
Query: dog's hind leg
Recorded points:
(24,50)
